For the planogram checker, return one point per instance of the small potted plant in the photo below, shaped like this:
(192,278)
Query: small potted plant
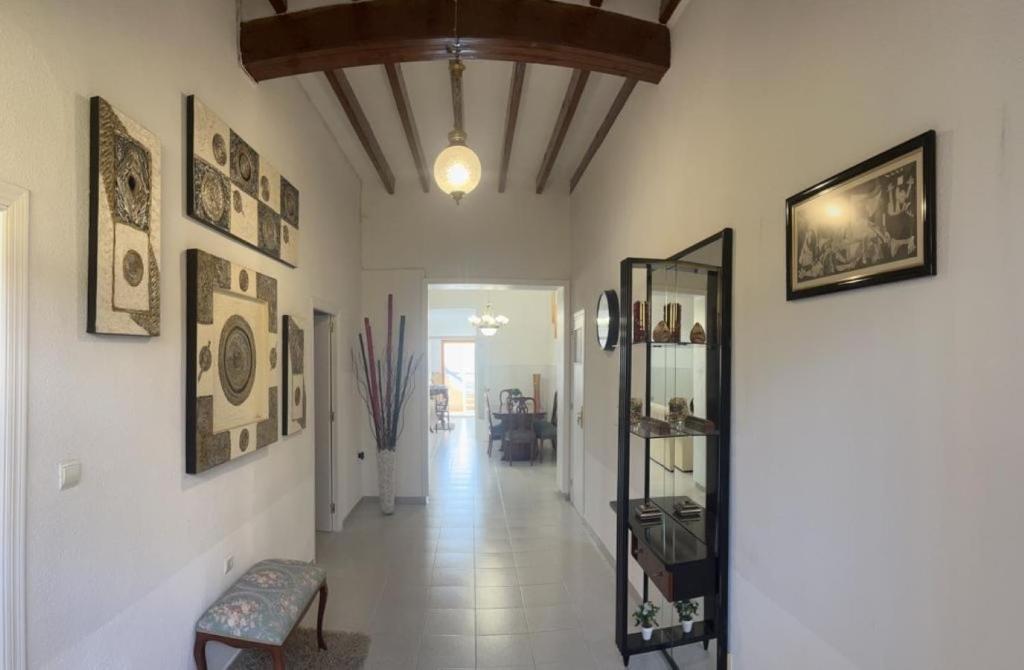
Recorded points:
(686,610)
(644,617)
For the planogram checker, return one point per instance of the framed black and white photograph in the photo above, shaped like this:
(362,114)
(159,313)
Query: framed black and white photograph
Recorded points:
(871,224)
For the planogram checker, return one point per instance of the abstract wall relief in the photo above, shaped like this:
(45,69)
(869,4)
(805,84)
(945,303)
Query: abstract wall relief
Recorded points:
(232,349)
(237,191)
(124,225)
(294,384)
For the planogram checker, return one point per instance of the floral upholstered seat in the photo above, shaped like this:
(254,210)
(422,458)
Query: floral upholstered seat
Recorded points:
(265,603)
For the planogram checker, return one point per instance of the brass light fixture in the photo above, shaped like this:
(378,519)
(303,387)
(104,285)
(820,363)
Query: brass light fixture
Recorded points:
(457,167)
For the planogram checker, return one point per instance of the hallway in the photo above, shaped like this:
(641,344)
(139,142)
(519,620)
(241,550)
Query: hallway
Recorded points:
(498,571)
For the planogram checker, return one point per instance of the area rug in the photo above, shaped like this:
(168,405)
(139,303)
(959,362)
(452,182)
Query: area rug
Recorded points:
(345,651)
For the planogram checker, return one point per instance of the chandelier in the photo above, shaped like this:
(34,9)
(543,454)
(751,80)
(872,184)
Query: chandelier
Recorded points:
(488,323)
(457,167)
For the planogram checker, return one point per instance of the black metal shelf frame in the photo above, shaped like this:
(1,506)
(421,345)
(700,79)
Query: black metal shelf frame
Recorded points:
(711,530)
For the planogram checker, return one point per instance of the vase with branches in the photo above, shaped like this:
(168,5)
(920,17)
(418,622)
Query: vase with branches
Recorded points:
(385,385)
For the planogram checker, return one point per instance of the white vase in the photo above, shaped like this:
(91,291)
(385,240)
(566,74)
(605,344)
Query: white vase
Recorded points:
(687,626)
(386,479)
(647,633)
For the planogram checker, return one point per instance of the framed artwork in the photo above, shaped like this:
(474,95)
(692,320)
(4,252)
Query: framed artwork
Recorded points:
(232,354)
(871,224)
(124,225)
(294,397)
(231,187)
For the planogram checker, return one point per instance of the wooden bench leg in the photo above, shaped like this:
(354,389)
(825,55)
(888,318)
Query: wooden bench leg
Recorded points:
(199,651)
(320,617)
(277,653)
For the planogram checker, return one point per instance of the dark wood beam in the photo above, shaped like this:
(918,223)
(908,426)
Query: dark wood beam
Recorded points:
(515,95)
(392,31)
(361,126)
(412,135)
(280,6)
(668,7)
(602,131)
(569,105)
(596,3)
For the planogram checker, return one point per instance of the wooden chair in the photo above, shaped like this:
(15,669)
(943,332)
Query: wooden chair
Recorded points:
(548,430)
(519,433)
(495,431)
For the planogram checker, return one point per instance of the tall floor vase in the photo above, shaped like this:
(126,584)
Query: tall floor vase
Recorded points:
(386,479)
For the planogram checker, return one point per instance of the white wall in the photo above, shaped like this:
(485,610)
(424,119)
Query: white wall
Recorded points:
(490,236)
(120,567)
(876,453)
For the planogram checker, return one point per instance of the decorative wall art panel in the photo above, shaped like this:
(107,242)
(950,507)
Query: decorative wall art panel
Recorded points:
(234,189)
(872,224)
(294,398)
(232,349)
(124,225)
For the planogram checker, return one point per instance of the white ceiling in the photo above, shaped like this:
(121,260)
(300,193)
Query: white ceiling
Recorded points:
(485,87)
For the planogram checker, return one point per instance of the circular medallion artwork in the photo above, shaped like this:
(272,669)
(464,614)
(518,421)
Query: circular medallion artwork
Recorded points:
(245,166)
(243,439)
(133,268)
(284,234)
(132,184)
(237,364)
(273,358)
(220,149)
(265,187)
(243,280)
(298,397)
(268,232)
(212,197)
(205,360)
(237,199)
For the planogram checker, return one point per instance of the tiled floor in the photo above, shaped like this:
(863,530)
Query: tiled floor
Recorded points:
(497,571)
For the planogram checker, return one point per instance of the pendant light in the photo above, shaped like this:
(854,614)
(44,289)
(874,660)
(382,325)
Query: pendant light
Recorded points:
(457,167)
(488,323)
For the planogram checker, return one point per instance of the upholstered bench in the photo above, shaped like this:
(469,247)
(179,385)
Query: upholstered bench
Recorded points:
(262,608)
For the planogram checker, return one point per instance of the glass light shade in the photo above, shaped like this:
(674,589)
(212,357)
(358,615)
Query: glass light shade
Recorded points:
(488,323)
(457,170)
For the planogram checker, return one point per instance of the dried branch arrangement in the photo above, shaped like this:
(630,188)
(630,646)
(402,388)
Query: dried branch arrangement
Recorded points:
(385,385)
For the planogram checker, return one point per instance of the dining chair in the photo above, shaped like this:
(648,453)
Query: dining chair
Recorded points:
(519,435)
(505,399)
(495,431)
(548,430)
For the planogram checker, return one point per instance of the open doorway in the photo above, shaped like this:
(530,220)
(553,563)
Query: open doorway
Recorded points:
(324,374)
(481,375)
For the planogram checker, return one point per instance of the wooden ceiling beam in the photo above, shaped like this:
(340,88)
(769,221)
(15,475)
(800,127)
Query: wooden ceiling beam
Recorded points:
(354,111)
(596,3)
(667,9)
(392,31)
(280,6)
(515,95)
(569,104)
(602,131)
(412,135)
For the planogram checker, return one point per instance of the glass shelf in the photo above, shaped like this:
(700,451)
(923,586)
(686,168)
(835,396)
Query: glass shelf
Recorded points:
(644,431)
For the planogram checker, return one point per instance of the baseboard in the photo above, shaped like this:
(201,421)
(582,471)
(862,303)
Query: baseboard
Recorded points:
(596,541)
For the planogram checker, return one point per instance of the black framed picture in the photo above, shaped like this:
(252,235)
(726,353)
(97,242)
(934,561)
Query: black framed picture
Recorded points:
(871,224)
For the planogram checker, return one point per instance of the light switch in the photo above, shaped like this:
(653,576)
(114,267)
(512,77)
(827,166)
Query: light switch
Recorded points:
(70,474)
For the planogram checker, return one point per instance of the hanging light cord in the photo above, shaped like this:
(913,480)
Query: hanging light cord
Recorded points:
(455,68)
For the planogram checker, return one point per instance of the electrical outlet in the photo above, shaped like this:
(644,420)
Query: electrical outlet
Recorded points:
(229,564)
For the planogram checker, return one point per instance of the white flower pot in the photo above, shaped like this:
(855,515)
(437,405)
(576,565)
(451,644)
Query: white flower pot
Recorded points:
(688,626)
(647,633)
(386,479)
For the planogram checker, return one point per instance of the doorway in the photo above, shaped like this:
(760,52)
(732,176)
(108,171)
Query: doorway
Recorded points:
(458,370)
(325,374)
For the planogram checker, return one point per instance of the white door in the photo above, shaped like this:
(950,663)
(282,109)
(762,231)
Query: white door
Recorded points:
(324,373)
(576,487)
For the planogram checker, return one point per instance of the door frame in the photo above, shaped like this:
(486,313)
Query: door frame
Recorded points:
(14,231)
(565,455)
(327,308)
(579,321)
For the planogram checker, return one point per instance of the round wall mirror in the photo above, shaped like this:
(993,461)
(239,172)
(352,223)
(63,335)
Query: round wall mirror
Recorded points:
(608,320)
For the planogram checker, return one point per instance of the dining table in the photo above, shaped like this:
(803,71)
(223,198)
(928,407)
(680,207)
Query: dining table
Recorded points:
(501,416)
